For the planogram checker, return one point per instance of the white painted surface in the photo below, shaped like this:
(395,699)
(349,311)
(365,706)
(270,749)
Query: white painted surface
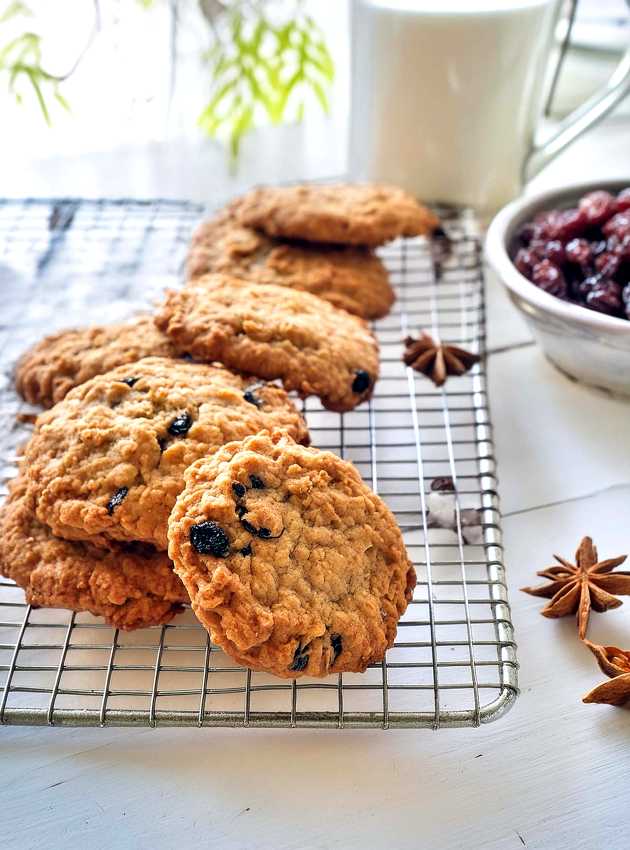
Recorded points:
(552,774)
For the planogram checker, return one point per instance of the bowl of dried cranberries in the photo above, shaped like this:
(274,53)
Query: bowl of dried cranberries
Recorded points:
(564,257)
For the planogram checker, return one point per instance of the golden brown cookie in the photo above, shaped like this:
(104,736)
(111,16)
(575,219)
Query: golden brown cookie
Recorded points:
(108,461)
(346,213)
(353,279)
(291,562)
(130,586)
(274,332)
(56,364)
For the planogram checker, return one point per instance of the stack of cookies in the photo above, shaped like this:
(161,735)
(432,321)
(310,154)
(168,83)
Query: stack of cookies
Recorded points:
(168,470)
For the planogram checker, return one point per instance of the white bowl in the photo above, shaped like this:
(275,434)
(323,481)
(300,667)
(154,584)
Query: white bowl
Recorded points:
(588,346)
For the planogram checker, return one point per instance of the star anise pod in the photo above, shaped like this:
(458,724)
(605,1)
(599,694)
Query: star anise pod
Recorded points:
(581,586)
(615,663)
(436,359)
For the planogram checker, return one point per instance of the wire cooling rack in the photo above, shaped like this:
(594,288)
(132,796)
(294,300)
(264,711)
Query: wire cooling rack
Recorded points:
(68,262)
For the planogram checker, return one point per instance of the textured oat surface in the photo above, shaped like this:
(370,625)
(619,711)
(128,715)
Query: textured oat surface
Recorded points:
(291,562)
(61,361)
(130,587)
(274,332)
(352,278)
(109,459)
(351,214)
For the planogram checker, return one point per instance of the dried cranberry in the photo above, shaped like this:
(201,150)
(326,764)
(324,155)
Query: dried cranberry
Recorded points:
(598,247)
(527,233)
(180,425)
(117,499)
(525,261)
(623,200)
(607,264)
(619,225)
(598,207)
(337,647)
(551,249)
(589,283)
(208,538)
(605,298)
(256,482)
(567,224)
(300,660)
(238,489)
(361,381)
(578,251)
(550,279)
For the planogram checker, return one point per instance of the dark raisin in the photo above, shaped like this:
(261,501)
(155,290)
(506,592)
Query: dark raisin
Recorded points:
(247,550)
(130,381)
(264,533)
(186,356)
(441,485)
(162,443)
(180,425)
(241,510)
(249,527)
(337,645)
(250,396)
(257,483)
(208,538)
(300,660)
(361,381)
(117,499)
(238,489)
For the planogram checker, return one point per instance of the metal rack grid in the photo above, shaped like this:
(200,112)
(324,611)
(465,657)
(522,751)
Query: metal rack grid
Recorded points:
(65,262)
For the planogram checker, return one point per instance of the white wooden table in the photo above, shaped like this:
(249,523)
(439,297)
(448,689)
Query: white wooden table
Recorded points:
(553,773)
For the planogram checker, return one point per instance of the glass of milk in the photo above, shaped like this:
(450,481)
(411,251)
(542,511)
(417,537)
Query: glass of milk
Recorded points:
(446,96)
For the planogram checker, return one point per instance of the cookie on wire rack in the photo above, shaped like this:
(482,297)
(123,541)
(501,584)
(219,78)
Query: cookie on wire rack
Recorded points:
(274,332)
(292,563)
(346,213)
(59,362)
(130,586)
(351,278)
(107,462)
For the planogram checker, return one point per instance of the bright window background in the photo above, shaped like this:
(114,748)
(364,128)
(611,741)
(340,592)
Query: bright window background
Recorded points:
(125,91)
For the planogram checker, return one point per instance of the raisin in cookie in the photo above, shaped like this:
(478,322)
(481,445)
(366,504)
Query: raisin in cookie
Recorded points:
(353,279)
(129,586)
(56,364)
(275,332)
(347,213)
(291,562)
(108,460)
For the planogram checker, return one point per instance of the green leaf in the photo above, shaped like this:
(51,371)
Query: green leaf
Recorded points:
(61,100)
(15,8)
(320,94)
(38,92)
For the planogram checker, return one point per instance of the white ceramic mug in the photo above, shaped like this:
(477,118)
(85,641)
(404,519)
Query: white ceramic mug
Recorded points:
(446,95)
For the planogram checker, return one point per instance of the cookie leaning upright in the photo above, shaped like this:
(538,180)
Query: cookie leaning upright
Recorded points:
(346,213)
(129,586)
(108,461)
(51,368)
(274,332)
(291,562)
(352,278)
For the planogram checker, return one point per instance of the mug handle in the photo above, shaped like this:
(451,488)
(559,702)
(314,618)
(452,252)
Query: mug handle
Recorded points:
(581,119)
